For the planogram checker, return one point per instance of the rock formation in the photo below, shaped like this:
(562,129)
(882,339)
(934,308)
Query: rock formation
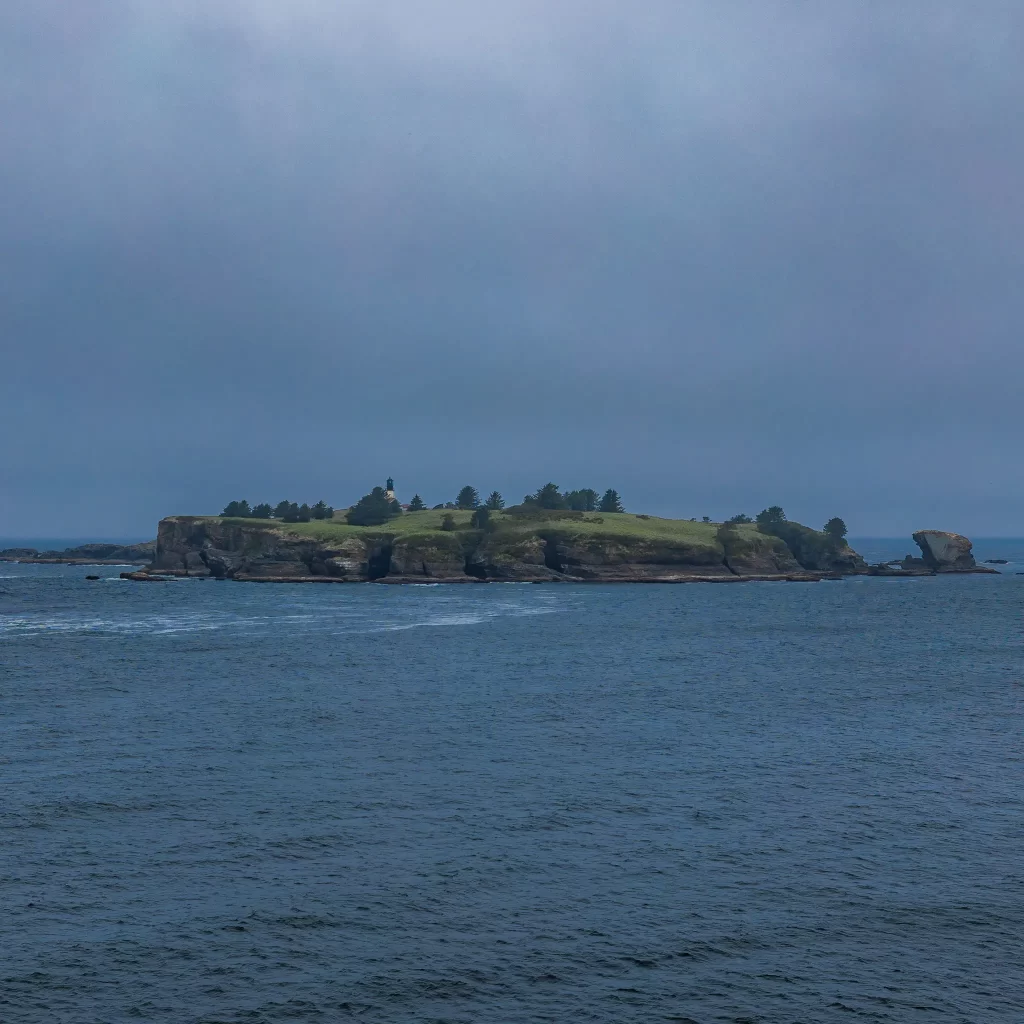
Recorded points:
(85,554)
(946,552)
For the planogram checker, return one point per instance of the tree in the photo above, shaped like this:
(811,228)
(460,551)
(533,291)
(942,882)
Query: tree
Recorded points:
(396,507)
(836,529)
(741,518)
(262,511)
(321,510)
(771,516)
(291,514)
(495,502)
(706,519)
(234,509)
(448,522)
(371,509)
(611,502)
(582,501)
(468,498)
(481,518)
(549,496)
(305,513)
(417,504)
(281,510)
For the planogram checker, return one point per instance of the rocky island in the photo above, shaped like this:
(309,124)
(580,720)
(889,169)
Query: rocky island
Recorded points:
(520,544)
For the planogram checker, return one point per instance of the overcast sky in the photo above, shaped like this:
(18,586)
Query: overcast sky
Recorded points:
(718,255)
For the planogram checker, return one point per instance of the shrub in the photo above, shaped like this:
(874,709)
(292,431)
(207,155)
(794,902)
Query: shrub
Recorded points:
(741,518)
(448,523)
(481,518)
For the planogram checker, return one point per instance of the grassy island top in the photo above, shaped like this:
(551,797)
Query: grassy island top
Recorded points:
(429,521)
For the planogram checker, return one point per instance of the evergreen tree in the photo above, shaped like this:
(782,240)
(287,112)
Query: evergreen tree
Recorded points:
(371,509)
(291,514)
(417,504)
(771,516)
(281,510)
(549,496)
(321,510)
(262,511)
(611,502)
(467,498)
(448,522)
(481,518)
(396,507)
(305,513)
(741,518)
(836,529)
(230,509)
(495,502)
(585,500)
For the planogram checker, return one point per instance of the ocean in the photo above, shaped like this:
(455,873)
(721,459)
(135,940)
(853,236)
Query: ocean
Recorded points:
(763,802)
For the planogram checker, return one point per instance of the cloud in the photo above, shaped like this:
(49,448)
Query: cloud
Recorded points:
(724,256)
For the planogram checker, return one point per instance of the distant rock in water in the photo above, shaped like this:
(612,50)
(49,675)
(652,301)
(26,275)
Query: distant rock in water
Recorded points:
(85,554)
(944,552)
(997,561)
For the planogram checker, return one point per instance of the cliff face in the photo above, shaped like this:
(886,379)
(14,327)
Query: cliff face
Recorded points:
(541,551)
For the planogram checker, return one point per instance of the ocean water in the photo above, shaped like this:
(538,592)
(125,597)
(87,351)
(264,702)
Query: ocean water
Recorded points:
(784,803)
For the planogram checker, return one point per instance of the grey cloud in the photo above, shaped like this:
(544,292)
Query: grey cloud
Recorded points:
(720,255)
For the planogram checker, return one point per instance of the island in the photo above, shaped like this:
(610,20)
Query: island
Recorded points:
(525,543)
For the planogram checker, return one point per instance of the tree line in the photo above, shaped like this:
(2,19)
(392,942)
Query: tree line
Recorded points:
(286,511)
(374,509)
(774,516)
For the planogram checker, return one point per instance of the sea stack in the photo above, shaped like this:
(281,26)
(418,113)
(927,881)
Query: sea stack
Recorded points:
(946,552)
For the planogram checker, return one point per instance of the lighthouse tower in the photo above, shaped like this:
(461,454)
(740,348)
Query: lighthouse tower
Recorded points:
(389,490)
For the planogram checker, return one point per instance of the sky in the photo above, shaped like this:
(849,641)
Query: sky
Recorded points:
(716,255)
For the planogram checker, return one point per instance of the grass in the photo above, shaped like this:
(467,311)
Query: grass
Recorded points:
(598,525)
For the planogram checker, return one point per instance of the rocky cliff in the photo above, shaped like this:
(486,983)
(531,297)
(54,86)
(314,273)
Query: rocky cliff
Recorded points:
(594,548)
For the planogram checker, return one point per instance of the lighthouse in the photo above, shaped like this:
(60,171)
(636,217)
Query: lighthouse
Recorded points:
(389,490)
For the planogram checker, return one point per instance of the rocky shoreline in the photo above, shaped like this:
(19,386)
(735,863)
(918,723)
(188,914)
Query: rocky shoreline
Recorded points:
(556,551)
(84,554)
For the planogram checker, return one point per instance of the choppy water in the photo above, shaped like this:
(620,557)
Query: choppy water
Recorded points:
(755,802)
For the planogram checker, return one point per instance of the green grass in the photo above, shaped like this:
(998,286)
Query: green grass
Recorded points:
(624,525)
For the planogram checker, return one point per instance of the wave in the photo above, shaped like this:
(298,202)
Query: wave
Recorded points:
(332,621)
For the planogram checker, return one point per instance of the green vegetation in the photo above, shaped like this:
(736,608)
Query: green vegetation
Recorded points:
(611,502)
(771,516)
(448,523)
(286,511)
(417,504)
(467,498)
(495,502)
(836,528)
(373,509)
